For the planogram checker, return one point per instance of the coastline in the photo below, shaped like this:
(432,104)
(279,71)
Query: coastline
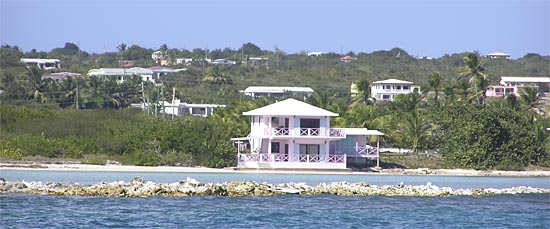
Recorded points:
(130,168)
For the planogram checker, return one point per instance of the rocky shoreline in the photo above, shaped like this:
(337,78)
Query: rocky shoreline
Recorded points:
(138,187)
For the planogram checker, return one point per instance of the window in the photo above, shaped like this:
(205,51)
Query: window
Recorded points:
(275,147)
(309,149)
(385,97)
(274,122)
(310,123)
(398,87)
(406,88)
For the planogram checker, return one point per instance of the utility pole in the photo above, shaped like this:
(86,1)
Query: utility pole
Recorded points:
(162,98)
(76,102)
(173,99)
(143,97)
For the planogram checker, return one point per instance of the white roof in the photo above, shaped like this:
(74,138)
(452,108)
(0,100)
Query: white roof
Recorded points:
(42,61)
(362,131)
(524,79)
(119,71)
(290,107)
(262,89)
(497,54)
(392,81)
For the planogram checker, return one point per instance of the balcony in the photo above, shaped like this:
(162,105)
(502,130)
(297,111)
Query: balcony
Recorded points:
(300,158)
(305,132)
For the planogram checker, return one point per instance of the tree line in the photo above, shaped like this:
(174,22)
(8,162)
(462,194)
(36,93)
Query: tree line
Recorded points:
(450,114)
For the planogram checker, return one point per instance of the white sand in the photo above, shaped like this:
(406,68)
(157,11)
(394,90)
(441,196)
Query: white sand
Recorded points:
(128,168)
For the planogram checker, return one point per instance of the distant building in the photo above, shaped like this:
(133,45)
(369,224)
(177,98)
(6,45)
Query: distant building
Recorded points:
(258,61)
(62,76)
(178,109)
(498,55)
(224,62)
(45,64)
(159,71)
(185,61)
(511,85)
(277,92)
(121,74)
(315,53)
(347,59)
(158,55)
(386,90)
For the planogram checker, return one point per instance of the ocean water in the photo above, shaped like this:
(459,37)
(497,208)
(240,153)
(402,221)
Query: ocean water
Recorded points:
(285,211)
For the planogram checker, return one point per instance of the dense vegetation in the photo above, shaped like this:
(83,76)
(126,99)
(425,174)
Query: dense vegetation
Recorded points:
(450,116)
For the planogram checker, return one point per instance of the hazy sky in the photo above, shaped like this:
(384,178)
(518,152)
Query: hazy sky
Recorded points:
(421,27)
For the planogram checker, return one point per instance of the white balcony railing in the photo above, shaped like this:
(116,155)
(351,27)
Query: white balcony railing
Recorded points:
(309,131)
(336,132)
(367,151)
(278,157)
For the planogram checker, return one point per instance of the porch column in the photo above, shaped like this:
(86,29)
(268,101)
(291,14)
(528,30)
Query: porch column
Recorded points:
(327,143)
(378,151)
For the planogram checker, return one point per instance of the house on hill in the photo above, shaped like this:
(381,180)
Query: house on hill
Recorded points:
(497,55)
(347,59)
(386,90)
(295,135)
(277,92)
(45,64)
(512,85)
(121,74)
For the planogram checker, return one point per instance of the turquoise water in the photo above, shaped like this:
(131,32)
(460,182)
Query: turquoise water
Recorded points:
(286,211)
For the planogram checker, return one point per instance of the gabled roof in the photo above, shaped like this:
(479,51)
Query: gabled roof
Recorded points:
(392,81)
(290,107)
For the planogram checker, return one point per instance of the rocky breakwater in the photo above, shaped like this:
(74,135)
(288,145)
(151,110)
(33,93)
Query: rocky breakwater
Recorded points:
(138,187)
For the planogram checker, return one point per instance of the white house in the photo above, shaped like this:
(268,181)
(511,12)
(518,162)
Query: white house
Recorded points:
(45,64)
(295,135)
(185,61)
(513,85)
(121,74)
(315,53)
(386,90)
(178,108)
(498,55)
(224,62)
(277,92)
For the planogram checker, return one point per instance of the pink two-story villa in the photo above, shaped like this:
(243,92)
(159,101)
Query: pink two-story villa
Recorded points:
(295,135)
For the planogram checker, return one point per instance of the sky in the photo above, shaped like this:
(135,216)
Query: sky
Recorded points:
(421,27)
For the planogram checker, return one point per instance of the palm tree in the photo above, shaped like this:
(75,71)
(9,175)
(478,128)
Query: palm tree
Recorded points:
(215,75)
(530,99)
(321,99)
(474,71)
(121,48)
(412,130)
(434,84)
(364,92)
(36,87)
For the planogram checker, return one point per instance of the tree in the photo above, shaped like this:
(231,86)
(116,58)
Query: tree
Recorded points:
(530,99)
(434,84)
(215,75)
(364,97)
(474,71)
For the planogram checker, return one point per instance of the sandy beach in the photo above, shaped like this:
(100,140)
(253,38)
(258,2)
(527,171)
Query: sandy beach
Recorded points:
(129,168)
